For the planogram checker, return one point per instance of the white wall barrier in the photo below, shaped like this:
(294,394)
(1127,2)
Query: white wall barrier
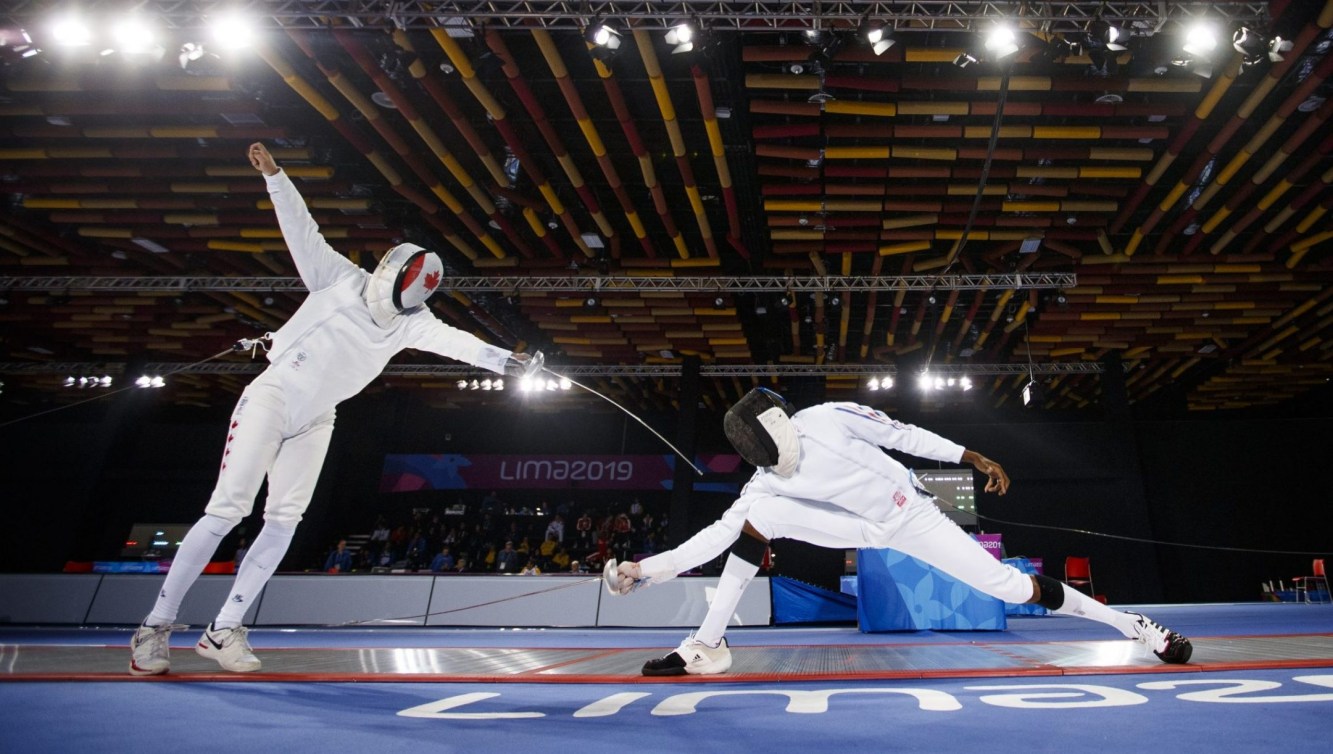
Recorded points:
(410,600)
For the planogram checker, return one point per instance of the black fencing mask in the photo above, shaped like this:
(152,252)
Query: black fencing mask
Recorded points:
(760,429)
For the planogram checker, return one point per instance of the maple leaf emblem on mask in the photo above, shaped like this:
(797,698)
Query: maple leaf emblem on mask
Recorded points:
(432,280)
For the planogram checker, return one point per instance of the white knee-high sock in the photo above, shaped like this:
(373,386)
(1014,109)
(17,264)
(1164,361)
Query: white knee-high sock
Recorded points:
(260,561)
(736,575)
(195,551)
(1080,604)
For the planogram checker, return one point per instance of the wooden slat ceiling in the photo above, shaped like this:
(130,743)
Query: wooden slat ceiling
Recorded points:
(1193,210)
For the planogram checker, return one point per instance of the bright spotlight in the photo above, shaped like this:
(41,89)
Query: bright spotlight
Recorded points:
(939,383)
(461,384)
(565,384)
(475,385)
(70,31)
(873,384)
(232,31)
(1001,42)
(498,384)
(926,382)
(1200,40)
(965,383)
(485,384)
(134,36)
(552,384)
(886,383)
(681,38)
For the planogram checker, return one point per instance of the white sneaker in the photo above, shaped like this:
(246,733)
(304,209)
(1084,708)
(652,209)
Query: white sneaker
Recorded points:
(150,649)
(692,657)
(623,578)
(1168,645)
(229,647)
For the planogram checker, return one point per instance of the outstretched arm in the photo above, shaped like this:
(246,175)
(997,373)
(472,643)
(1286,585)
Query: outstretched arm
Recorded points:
(318,264)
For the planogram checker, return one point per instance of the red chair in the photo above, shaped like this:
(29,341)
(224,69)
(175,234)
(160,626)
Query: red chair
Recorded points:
(1304,583)
(1078,574)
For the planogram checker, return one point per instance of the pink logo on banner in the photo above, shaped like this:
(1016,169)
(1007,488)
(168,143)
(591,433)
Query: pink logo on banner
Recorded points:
(417,472)
(992,544)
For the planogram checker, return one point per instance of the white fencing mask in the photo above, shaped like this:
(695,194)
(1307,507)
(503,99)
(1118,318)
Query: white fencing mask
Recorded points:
(404,279)
(760,429)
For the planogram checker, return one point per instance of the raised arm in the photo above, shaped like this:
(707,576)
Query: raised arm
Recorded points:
(874,427)
(317,263)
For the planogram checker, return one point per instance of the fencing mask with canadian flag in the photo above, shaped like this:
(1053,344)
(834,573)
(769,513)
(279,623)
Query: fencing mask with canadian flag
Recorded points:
(760,429)
(404,279)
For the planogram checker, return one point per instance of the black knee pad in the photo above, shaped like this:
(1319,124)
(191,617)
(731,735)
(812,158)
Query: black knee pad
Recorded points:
(749,548)
(1052,592)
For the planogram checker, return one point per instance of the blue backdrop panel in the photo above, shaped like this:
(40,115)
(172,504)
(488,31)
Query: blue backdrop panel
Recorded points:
(896,592)
(1026,566)
(798,602)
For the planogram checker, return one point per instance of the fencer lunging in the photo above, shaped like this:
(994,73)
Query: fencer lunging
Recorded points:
(822,478)
(340,338)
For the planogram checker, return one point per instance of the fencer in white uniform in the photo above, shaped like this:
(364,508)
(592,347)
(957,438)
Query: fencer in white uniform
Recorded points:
(823,478)
(340,338)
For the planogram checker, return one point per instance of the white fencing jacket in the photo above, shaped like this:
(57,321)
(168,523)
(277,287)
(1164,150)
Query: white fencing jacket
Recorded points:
(841,463)
(331,348)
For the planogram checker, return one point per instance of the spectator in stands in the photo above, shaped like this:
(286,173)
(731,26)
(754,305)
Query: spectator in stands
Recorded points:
(584,524)
(635,509)
(575,567)
(549,546)
(339,560)
(380,534)
(530,569)
(506,561)
(560,559)
(461,565)
(443,561)
(490,503)
(556,528)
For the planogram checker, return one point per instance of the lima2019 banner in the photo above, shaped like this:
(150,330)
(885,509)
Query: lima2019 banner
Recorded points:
(419,472)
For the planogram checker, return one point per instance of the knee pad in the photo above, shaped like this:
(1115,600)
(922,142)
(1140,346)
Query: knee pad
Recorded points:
(750,549)
(1052,592)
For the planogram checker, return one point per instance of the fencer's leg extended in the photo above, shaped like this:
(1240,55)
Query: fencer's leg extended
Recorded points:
(706,652)
(1168,645)
(929,535)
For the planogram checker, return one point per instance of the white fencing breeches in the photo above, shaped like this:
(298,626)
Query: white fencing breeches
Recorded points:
(920,530)
(259,442)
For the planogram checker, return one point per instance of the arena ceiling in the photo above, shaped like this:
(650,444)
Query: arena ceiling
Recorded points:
(782,201)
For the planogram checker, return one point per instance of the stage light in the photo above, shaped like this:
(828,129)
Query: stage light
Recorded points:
(197,61)
(150,382)
(475,385)
(925,381)
(71,31)
(886,383)
(681,37)
(552,385)
(497,384)
(1200,40)
(1107,35)
(965,384)
(135,36)
(966,59)
(605,40)
(1001,42)
(565,384)
(878,36)
(485,384)
(1255,46)
(873,384)
(461,384)
(232,31)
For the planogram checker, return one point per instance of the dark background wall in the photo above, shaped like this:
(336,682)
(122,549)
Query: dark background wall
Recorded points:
(75,481)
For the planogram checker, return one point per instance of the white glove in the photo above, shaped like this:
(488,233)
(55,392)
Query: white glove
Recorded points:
(524,365)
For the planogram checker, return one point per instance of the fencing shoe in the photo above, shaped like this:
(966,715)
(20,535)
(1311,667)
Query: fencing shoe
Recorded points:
(622,578)
(692,657)
(229,647)
(1168,645)
(150,649)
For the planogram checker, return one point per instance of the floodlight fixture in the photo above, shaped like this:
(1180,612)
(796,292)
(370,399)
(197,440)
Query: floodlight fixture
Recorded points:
(1001,42)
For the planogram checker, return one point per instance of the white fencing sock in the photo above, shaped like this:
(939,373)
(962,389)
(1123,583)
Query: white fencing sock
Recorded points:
(736,575)
(260,562)
(195,551)
(1080,604)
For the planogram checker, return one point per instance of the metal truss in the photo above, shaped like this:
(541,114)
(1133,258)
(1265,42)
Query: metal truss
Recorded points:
(461,16)
(458,371)
(575,283)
